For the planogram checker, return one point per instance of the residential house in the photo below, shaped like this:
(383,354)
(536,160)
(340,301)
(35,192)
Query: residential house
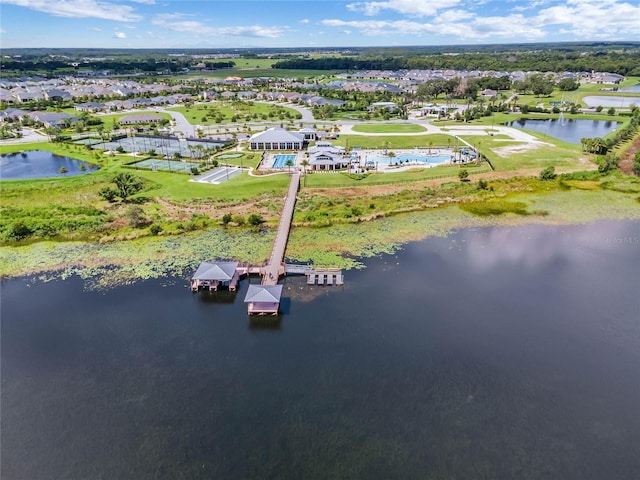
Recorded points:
(53,119)
(138,118)
(90,107)
(391,106)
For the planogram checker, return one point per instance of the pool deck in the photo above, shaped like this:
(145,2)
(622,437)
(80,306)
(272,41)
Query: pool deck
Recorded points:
(371,155)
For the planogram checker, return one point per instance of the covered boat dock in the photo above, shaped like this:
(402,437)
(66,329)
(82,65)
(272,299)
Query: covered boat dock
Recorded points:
(213,275)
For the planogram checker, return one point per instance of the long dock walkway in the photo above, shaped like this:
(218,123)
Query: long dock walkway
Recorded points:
(272,271)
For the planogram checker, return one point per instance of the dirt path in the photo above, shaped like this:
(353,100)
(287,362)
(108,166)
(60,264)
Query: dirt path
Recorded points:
(378,190)
(626,162)
(184,212)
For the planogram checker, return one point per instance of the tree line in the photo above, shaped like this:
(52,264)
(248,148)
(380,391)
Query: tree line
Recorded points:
(620,62)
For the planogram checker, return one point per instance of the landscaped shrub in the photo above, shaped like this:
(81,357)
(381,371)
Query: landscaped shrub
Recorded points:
(548,173)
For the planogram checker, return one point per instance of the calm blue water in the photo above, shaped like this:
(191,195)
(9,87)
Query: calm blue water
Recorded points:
(633,88)
(280,161)
(610,101)
(40,164)
(434,159)
(568,130)
(498,353)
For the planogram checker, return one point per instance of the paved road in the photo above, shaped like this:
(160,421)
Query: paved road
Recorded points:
(28,136)
(182,124)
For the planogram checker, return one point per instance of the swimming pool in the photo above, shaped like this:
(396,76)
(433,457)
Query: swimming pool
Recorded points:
(280,160)
(412,158)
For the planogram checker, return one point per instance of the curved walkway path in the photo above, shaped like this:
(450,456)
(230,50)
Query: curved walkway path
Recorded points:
(182,124)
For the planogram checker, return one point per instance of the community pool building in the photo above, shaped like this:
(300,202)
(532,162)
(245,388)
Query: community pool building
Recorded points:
(277,138)
(326,156)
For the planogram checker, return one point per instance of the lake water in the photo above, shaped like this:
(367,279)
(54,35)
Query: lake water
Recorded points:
(567,130)
(40,164)
(610,101)
(490,354)
(633,88)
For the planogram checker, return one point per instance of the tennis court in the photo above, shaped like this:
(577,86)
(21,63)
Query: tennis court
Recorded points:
(167,146)
(155,164)
(218,175)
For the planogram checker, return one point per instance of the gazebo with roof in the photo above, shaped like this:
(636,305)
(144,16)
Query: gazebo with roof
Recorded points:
(263,299)
(212,275)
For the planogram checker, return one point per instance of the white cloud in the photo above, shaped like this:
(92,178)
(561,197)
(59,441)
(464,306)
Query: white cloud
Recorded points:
(80,9)
(120,35)
(145,2)
(610,18)
(512,26)
(305,21)
(581,19)
(415,8)
(181,23)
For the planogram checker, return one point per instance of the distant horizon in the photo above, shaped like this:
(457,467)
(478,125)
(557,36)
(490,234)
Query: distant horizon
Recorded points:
(586,43)
(306,24)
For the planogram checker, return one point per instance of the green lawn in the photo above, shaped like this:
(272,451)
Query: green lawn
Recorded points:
(513,155)
(413,175)
(109,119)
(242,187)
(404,141)
(388,128)
(239,159)
(223,112)
(577,95)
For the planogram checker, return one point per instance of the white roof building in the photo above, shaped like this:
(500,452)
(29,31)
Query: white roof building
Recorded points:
(276,138)
(325,156)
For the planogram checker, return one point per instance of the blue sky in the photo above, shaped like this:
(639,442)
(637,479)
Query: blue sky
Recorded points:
(310,23)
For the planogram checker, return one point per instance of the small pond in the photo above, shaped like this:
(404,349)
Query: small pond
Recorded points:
(610,101)
(40,164)
(633,88)
(567,130)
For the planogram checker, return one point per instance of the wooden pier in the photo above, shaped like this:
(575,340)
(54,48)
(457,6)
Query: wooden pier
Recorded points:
(264,299)
(325,276)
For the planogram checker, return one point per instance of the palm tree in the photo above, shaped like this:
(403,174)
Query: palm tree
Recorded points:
(391,155)
(305,164)
(289,164)
(456,152)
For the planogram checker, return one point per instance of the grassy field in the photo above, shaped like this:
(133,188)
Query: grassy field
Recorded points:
(404,141)
(513,155)
(577,95)
(188,215)
(223,112)
(388,128)
(317,180)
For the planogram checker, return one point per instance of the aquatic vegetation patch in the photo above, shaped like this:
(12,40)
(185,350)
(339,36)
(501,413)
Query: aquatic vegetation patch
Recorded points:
(495,206)
(344,245)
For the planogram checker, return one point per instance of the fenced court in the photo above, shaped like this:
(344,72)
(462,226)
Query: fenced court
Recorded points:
(161,164)
(167,146)
(217,175)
